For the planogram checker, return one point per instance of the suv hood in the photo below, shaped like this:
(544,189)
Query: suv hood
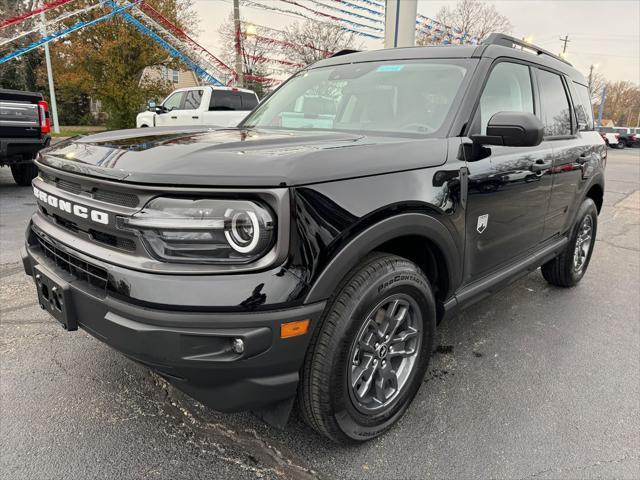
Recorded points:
(238,157)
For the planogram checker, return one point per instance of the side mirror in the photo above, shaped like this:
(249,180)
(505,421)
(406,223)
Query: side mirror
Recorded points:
(512,129)
(151,106)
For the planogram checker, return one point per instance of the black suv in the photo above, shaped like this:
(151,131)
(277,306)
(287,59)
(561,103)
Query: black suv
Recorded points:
(311,252)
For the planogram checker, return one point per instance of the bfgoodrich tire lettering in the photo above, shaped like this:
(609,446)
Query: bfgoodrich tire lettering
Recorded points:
(325,396)
(568,268)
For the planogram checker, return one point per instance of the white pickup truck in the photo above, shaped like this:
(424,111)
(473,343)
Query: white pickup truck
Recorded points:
(206,105)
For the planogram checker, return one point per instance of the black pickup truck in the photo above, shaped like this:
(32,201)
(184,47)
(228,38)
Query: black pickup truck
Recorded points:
(630,137)
(24,130)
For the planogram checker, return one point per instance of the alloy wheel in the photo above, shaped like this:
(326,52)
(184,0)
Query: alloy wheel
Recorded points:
(384,352)
(583,244)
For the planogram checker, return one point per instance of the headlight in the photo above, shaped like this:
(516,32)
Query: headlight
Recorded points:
(204,230)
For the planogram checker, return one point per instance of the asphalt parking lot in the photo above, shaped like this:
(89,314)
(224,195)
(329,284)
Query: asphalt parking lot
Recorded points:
(536,382)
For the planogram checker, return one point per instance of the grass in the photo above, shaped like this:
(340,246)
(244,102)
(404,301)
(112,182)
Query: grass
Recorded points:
(72,131)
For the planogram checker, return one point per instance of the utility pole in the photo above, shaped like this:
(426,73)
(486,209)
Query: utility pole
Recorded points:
(601,109)
(400,23)
(238,32)
(564,40)
(52,91)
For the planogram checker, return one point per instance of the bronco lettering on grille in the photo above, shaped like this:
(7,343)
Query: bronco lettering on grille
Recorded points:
(72,208)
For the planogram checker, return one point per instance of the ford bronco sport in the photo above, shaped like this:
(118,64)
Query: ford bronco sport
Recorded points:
(310,252)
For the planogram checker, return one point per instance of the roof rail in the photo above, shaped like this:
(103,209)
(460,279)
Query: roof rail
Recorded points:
(346,51)
(508,41)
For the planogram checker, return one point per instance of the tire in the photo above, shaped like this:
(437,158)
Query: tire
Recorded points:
(620,145)
(23,173)
(568,268)
(335,359)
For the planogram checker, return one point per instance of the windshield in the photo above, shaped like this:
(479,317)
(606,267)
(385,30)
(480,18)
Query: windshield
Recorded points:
(408,96)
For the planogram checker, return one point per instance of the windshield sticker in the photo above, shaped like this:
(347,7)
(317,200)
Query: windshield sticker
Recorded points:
(389,68)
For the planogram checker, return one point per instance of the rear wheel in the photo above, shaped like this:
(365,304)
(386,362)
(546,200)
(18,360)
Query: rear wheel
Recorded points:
(369,353)
(620,144)
(567,269)
(23,173)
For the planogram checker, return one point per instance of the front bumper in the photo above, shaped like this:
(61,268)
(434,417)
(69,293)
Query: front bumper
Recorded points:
(192,347)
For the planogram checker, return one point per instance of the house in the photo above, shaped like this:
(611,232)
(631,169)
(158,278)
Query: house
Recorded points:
(176,78)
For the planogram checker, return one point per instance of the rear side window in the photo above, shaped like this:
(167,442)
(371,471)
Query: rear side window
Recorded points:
(192,99)
(507,90)
(556,115)
(249,100)
(584,111)
(223,100)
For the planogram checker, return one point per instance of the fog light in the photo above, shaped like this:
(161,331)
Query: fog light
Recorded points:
(238,345)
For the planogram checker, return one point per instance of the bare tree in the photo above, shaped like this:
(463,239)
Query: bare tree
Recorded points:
(256,50)
(622,103)
(474,17)
(596,82)
(311,41)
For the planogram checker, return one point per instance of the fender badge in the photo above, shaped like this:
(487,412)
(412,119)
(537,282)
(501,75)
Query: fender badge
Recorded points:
(483,220)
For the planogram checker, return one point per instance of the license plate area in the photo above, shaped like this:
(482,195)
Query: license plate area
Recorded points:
(54,295)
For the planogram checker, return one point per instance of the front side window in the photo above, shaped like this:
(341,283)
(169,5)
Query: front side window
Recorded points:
(508,89)
(173,101)
(584,111)
(407,97)
(192,99)
(556,115)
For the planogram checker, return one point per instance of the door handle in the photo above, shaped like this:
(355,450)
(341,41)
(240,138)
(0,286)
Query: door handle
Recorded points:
(175,118)
(540,165)
(582,159)
(195,117)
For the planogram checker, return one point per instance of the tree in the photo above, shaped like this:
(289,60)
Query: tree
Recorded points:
(596,82)
(110,59)
(255,52)
(106,62)
(311,41)
(473,17)
(622,103)
(18,74)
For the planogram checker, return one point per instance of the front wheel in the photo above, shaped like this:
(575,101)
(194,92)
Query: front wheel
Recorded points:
(370,351)
(568,268)
(620,145)
(23,173)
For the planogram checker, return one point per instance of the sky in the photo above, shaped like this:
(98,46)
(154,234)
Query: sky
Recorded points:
(605,33)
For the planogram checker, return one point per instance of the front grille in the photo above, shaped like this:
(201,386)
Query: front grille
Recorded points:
(108,196)
(102,237)
(71,187)
(117,198)
(112,240)
(80,269)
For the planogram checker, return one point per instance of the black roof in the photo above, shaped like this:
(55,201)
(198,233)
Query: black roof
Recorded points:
(497,48)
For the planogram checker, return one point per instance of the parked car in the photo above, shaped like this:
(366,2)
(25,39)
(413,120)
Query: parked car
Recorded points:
(24,130)
(207,105)
(629,136)
(611,137)
(257,265)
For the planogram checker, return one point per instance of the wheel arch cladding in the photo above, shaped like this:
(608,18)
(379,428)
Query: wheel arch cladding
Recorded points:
(596,193)
(402,235)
